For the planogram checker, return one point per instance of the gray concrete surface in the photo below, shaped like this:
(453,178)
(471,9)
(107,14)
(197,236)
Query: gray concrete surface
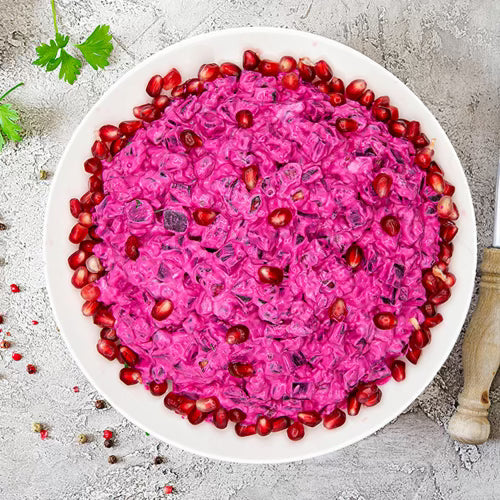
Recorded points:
(446,51)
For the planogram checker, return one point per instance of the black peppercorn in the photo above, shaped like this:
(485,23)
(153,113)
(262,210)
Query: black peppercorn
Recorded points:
(112,459)
(108,443)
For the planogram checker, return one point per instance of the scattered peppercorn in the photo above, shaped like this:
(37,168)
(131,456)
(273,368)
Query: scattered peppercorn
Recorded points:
(3,227)
(158,460)
(107,434)
(31,369)
(44,434)
(108,443)
(43,175)
(36,427)
(16,356)
(76,389)
(112,459)
(34,322)
(4,344)
(14,288)
(167,489)
(82,438)
(100,404)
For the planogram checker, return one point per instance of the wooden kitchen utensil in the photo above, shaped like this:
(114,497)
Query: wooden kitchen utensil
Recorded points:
(481,349)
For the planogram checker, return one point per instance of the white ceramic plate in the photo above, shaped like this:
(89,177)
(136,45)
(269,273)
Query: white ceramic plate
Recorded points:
(81,335)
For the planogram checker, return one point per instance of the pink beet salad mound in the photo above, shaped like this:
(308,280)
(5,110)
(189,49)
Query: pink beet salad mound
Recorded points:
(264,249)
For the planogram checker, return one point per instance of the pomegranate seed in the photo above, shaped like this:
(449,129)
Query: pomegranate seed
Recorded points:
(334,419)
(355,89)
(365,392)
(263,426)
(367,98)
(236,415)
(280,424)
(421,141)
(154,86)
(322,87)
(16,356)
(86,200)
(398,370)
(78,233)
(250,176)
(435,181)
(85,219)
(130,357)
(280,217)
(229,69)
(146,112)
(295,431)
(44,434)
(338,310)
(309,418)
(432,321)
(33,322)
(104,318)
(171,79)
(385,320)
(172,401)
(440,296)
(337,99)
(90,292)
(323,70)
(244,118)
(423,158)
(75,207)
(420,338)
(306,69)
(449,189)
(344,125)
(337,85)
(80,277)
(107,348)
(196,416)
(445,207)
(179,92)
(220,417)
(270,275)
(412,131)
(186,405)
(162,309)
(250,60)
(353,405)
(194,86)
(190,139)
(14,288)
(107,434)
(390,225)
(109,133)
(109,334)
(375,399)
(31,369)
(208,72)
(158,388)
(99,150)
(130,376)
(269,68)
(93,264)
(287,64)
(87,246)
(445,251)
(89,307)
(93,233)
(130,127)
(382,101)
(237,334)
(428,309)
(354,256)
(240,370)
(204,216)
(394,112)
(76,259)
(132,246)
(382,185)
(431,283)
(167,489)
(118,145)
(397,128)
(245,430)
(160,102)
(381,114)
(208,405)
(95,183)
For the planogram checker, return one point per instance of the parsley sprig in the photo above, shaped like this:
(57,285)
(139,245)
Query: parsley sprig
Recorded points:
(96,50)
(8,117)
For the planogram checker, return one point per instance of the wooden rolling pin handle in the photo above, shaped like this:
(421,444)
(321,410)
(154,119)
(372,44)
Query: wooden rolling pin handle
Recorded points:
(480,356)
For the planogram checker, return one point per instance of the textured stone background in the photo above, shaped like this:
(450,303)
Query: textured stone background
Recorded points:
(446,51)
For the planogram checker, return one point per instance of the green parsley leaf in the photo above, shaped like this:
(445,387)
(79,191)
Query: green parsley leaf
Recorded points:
(97,48)
(46,53)
(8,118)
(62,40)
(70,67)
